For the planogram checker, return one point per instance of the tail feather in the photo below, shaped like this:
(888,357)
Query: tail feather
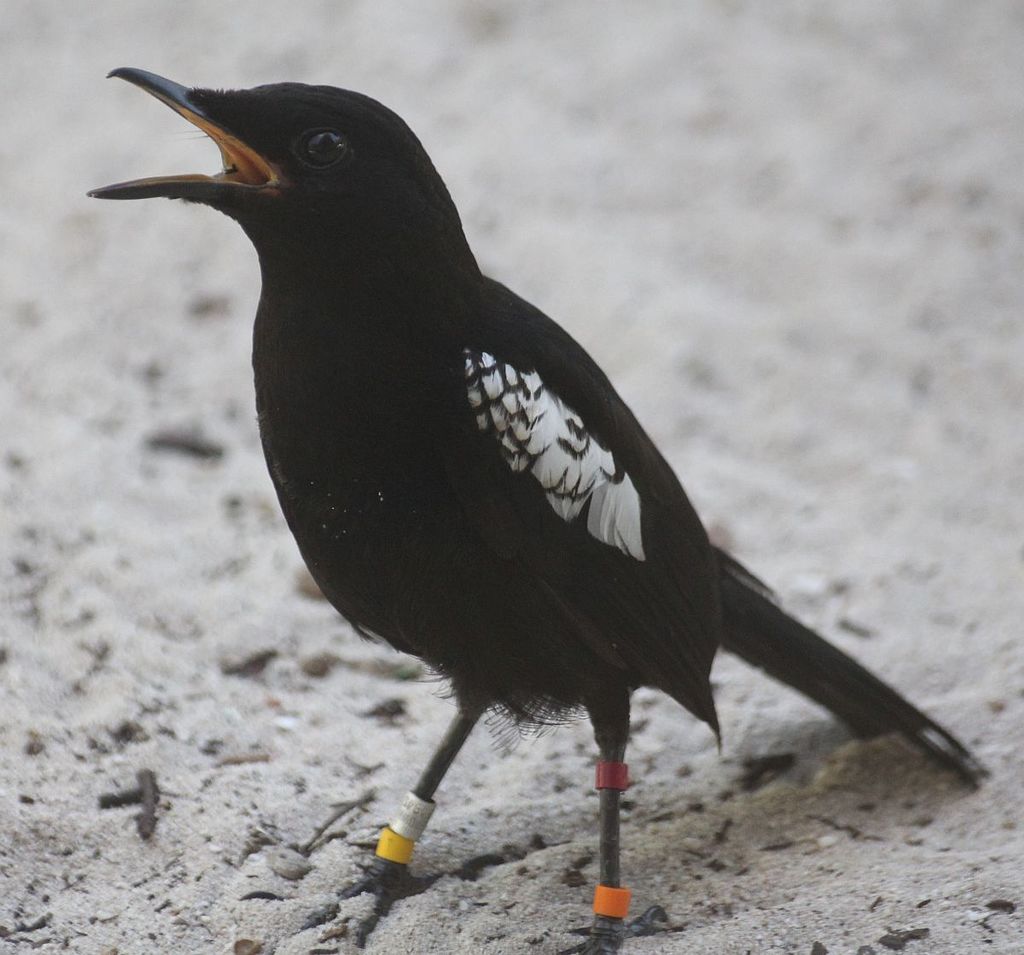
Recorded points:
(761,633)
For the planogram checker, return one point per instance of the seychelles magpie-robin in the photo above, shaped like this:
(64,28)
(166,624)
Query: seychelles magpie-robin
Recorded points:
(462,479)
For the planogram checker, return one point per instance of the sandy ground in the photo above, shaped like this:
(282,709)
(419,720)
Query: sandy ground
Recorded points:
(793,234)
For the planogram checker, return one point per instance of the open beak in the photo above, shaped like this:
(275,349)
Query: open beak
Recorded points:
(244,168)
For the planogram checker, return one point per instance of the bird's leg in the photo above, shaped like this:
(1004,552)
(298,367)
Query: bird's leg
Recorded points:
(611,900)
(387,878)
(610,716)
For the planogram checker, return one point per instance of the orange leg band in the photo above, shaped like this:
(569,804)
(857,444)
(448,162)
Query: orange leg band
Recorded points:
(611,901)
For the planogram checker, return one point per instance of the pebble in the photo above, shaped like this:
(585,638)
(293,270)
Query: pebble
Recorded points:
(247,946)
(288,863)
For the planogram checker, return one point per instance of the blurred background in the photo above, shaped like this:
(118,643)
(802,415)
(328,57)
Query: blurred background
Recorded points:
(792,233)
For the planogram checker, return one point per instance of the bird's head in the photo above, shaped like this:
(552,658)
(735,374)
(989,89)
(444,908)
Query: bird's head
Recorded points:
(307,165)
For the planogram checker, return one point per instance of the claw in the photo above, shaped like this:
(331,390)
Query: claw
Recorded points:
(653,921)
(605,936)
(321,916)
(388,882)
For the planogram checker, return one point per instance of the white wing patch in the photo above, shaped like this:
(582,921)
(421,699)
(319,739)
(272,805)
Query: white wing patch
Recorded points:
(540,433)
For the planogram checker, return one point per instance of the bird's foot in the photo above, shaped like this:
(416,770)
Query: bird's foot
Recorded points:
(605,936)
(388,882)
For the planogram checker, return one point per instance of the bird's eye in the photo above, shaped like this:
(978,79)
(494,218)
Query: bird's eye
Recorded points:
(322,147)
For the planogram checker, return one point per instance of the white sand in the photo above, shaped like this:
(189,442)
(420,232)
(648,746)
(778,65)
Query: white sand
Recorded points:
(793,234)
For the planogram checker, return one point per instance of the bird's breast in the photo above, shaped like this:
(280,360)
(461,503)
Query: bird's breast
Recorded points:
(351,418)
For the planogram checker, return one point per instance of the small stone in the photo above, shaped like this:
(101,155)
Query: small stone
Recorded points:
(573,878)
(857,629)
(897,940)
(248,665)
(209,305)
(335,931)
(1002,905)
(35,744)
(320,664)
(288,863)
(388,711)
(128,731)
(818,949)
(248,946)
(189,443)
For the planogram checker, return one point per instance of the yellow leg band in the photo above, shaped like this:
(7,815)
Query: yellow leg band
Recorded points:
(393,847)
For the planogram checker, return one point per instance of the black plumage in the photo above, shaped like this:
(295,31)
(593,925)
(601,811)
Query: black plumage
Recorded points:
(462,480)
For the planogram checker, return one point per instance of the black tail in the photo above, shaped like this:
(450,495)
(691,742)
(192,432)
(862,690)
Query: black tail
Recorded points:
(757,630)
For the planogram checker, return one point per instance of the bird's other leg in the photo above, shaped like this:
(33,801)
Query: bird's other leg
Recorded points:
(610,718)
(611,900)
(387,878)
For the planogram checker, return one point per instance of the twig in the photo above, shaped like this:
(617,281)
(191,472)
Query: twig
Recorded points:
(145,792)
(340,810)
(240,759)
(145,821)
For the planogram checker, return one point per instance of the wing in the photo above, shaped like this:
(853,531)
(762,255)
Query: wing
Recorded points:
(565,482)
(538,433)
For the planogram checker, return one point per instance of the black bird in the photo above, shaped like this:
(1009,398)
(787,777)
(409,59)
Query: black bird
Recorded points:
(462,479)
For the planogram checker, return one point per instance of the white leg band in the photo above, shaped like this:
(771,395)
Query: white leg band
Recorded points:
(413,817)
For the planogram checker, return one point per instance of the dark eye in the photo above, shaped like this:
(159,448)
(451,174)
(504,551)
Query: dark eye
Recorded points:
(322,147)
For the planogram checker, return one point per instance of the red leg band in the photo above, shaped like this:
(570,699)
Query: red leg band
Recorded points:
(612,776)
